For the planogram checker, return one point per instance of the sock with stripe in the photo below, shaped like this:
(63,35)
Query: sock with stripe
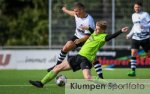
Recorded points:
(98,69)
(61,57)
(133,63)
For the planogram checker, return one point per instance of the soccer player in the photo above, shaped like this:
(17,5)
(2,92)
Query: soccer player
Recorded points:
(140,35)
(80,36)
(85,57)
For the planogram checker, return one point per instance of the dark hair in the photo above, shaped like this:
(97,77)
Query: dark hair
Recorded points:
(138,3)
(79,5)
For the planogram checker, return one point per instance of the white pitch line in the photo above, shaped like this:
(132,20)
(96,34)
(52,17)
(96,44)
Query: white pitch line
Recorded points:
(21,85)
(13,85)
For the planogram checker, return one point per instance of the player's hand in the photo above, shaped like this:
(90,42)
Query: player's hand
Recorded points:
(68,11)
(125,29)
(77,41)
(64,8)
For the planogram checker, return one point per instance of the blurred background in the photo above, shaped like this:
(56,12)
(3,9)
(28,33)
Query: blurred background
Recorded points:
(42,24)
(32,32)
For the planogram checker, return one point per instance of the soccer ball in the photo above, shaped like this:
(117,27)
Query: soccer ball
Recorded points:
(61,80)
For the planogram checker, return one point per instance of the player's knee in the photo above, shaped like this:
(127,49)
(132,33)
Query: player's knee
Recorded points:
(58,68)
(88,78)
(68,46)
(134,53)
(65,49)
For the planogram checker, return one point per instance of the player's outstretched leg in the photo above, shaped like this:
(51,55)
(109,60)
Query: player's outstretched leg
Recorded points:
(61,57)
(52,74)
(49,76)
(51,68)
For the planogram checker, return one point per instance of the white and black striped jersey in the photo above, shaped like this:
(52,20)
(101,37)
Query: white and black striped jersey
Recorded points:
(87,21)
(140,19)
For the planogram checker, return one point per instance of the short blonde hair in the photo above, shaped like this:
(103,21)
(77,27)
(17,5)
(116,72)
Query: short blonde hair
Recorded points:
(102,24)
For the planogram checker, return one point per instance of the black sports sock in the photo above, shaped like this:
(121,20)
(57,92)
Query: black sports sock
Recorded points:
(133,69)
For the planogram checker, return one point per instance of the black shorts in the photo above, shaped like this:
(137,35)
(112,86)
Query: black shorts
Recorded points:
(77,45)
(145,44)
(79,62)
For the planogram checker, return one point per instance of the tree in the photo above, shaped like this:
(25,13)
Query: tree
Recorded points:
(24,22)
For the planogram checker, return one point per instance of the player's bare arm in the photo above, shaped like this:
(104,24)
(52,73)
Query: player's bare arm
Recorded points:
(77,41)
(69,12)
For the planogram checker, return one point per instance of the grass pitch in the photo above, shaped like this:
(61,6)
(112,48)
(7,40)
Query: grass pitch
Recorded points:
(16,81)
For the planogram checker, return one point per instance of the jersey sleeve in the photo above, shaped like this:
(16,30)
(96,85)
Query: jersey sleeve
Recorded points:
(87,32)
(91,30)
(91,25)
(147,17)
(111,36)
(131,33)
(133,18)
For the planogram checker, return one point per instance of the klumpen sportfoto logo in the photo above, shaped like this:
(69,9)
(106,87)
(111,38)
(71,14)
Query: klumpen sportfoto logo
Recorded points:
(110,86)
(115,86)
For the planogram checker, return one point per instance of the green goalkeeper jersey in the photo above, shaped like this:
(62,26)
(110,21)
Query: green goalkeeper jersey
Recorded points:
(92,45)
